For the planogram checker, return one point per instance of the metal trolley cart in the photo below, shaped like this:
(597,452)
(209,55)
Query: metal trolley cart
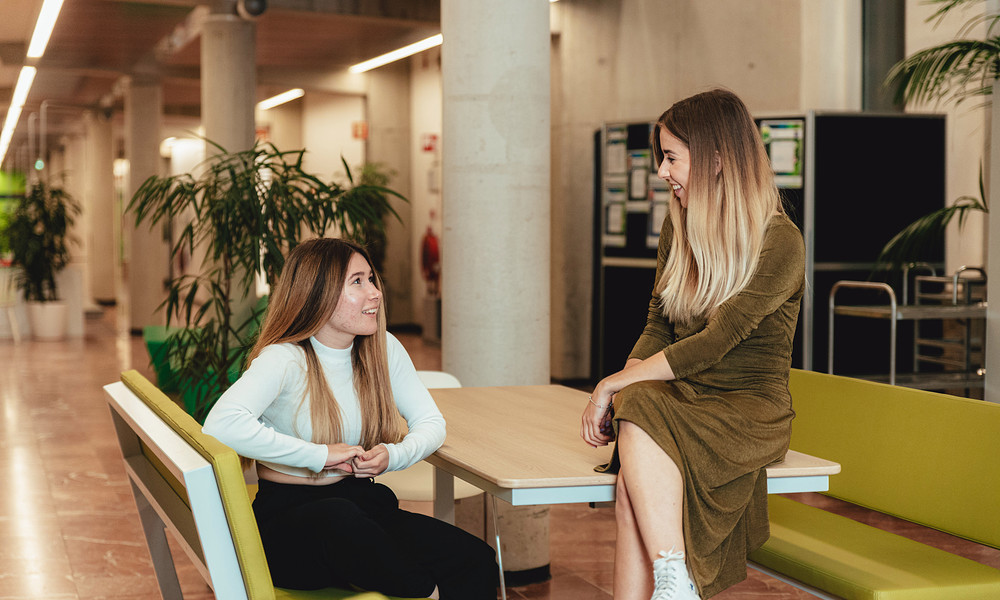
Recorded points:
(959,298)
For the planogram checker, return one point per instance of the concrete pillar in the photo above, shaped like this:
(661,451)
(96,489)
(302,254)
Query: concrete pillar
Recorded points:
(99,191)
(495,244)
(147,254)
(228,82)
(388,110)
(228,93)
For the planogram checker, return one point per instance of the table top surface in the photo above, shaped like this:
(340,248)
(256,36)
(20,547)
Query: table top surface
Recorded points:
(529,437)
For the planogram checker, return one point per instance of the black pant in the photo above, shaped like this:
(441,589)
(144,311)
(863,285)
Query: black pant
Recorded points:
(352,533)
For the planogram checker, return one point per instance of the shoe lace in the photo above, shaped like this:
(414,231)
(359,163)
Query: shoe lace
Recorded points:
(666,578)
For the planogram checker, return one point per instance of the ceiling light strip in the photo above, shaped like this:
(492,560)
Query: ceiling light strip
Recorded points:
(14,112)
(280,99)
(43,27)
(395,55)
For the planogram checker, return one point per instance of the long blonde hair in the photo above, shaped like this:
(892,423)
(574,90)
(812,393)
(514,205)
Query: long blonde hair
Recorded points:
(302,301)
(731,197)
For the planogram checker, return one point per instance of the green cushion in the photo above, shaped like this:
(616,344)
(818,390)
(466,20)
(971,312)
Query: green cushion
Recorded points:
(926,457)
(856,561)
(235,498)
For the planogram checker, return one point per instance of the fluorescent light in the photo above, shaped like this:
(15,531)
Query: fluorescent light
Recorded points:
(43,27)
(17,101)
(395,55)
(280,99)
(23,86)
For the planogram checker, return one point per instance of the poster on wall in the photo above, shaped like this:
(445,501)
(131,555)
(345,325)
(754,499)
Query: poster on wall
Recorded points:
(615,162)
(639,162)
(783,141)
(615,200)
(659,201)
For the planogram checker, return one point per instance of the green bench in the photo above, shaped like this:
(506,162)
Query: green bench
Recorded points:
(191,484)
(929,458)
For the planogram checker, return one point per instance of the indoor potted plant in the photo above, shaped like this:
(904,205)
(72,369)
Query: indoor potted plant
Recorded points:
(951,72)
(247,210)
(39,239)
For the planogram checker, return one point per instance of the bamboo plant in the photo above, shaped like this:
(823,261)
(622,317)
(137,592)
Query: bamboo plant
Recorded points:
(249,209)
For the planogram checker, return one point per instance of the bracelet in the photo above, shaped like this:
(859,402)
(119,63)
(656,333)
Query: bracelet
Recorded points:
(591,398)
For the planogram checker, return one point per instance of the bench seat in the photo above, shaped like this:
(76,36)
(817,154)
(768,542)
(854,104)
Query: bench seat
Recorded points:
(859,562)
(928,458)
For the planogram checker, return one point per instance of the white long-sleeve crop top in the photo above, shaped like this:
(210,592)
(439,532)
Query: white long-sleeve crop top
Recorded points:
(263,415)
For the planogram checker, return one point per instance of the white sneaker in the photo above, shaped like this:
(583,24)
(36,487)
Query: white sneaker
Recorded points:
(670,578)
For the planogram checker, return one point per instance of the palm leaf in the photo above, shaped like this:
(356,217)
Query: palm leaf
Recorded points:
(949,72)
(905,246)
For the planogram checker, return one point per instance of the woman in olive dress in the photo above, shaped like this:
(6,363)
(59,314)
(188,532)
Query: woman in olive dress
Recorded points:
(702,405)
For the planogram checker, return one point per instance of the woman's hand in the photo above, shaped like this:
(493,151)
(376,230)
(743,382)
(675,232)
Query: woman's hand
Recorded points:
(595,417)
(372,462)
(340,457)
(595,427)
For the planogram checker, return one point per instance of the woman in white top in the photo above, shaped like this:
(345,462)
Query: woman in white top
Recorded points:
(319,410)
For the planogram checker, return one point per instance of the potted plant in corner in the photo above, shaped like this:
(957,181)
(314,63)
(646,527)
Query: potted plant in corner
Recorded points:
(39,238)
(247,210)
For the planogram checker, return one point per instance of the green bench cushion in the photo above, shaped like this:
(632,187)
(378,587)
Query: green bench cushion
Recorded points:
(859,562)
(235,498)
(926,457)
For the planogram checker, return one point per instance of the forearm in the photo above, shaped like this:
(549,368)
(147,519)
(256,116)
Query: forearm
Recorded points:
(654,368)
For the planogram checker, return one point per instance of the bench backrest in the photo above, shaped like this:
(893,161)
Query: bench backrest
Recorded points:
(195,485)
(926,457)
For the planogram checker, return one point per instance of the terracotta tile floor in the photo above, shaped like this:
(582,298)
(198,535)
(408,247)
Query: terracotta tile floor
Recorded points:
(68,525)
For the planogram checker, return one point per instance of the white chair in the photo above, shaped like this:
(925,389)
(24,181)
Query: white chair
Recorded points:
(417,482)
(8,299)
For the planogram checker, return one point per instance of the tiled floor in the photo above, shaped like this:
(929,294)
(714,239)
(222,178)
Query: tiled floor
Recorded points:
(68,525)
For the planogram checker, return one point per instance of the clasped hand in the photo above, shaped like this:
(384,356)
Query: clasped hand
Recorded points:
(595,426)
(356,460)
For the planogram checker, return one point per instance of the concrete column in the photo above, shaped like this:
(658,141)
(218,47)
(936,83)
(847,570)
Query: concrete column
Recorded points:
(495,244)
(147,254)
(388,112)
(228,93)
(228,82)
(99,192)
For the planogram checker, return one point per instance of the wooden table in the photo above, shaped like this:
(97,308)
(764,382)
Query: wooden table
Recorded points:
(522,444)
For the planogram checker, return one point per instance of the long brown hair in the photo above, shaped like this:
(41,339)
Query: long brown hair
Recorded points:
(731,197)
(302,301)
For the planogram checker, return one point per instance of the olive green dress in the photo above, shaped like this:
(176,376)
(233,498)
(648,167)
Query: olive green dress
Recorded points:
(728,414)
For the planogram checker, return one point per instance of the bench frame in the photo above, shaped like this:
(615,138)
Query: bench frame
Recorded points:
(198,521)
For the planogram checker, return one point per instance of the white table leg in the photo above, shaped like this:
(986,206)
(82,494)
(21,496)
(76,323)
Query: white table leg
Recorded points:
(444,496)
(496,532)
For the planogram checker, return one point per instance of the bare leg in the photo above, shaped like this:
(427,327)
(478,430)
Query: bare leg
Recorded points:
(655,491)
(632,569)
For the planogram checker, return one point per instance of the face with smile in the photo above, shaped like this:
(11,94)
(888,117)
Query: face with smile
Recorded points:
(357,310)
(676,165)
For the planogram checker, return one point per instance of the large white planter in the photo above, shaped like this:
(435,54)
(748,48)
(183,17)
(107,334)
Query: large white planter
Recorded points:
(48,320)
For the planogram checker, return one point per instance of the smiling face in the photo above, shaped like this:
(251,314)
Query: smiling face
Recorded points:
(357,310)
(676,164)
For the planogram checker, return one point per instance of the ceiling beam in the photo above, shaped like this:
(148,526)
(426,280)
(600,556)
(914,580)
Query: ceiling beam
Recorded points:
(428,11)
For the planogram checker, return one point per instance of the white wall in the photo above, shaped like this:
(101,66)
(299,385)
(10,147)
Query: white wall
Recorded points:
(831,55)
(425,167)
(326,133)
